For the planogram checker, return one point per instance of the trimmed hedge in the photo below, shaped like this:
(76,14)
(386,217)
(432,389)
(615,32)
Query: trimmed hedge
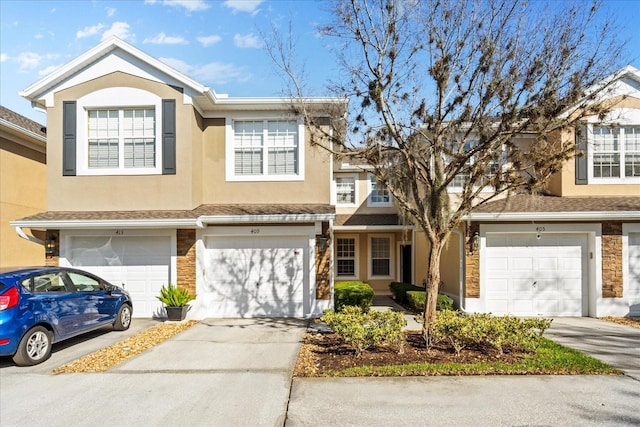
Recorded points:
(417,299)
(399,291)
(353,293)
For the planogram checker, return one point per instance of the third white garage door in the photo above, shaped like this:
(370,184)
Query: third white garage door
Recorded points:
(255,276)
(527,276)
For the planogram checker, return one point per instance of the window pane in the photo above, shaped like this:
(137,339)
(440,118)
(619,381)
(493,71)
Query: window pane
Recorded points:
(345,255)
(379,193)
(139,153)
(345,190)
(282,140)
(346,267)
(606,157)
(606,165)
(248,161)
(103,153)
(380,256)
(283,161)
(346,248)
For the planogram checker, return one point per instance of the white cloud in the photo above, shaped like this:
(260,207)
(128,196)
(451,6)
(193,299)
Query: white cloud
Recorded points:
(30,60)
(162,38)
(119,29)
(89,31)
(4,57)
(47,70)
(38,36)
(189,5)
(247,41)
(248,6)
(212,73)
(209,40)
(110,11)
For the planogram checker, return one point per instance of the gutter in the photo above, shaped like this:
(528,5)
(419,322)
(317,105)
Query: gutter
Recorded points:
(146,223)
(26,236)
(554,216)
(244,219)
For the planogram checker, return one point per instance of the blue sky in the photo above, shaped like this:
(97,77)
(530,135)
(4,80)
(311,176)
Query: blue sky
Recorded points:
(217,43)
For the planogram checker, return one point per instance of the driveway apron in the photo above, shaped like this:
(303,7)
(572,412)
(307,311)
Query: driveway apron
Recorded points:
(216,373)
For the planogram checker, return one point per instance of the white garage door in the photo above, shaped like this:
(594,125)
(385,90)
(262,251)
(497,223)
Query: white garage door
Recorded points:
(141,263)
(526,276)
(255,277)
(632,289)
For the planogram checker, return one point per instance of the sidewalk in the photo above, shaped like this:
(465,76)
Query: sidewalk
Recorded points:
(385,302)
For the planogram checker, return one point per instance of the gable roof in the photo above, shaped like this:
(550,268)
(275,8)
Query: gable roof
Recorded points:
(203,98)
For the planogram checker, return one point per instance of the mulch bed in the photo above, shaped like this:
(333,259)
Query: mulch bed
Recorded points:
(322,353)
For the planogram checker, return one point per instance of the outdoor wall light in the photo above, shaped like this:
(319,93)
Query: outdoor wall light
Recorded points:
(50,246)
(321,242)
(475,242)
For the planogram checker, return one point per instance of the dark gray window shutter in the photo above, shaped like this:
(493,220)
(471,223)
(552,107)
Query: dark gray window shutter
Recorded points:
(168,136)
(582,164)
(69,138)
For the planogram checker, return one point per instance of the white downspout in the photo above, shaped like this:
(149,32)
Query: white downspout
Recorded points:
(25,236)
(461,277)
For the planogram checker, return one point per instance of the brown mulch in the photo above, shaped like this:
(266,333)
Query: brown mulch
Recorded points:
(322,353)
(111,356)
(628,321)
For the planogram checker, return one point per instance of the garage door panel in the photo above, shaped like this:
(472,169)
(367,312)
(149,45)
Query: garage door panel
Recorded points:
(247,277)
(542,272)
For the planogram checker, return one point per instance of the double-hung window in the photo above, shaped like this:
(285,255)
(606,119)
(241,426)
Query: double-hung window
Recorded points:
(123,138)
(345,190)
(346,250)
(492,168)
(379,194)
(265,150)
(380,256)
(616,152)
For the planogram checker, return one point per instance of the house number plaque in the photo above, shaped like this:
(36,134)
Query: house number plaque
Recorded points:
(255,231)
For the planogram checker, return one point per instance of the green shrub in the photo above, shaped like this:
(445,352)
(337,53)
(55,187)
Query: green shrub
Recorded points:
(399,291)
(362,330)
(354,293)
(504,333)
(173,296)
(417,299)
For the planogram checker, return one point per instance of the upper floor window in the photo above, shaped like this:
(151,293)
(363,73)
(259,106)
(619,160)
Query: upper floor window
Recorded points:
(462,177)
(615,152)
(265,150)
(121,138)
(379,195)
(345,190)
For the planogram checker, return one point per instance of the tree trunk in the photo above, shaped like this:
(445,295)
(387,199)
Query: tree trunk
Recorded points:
(433,283)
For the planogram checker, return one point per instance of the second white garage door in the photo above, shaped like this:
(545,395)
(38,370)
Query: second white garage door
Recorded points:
(255,276)
(527,276)
(632,289)
(141,263)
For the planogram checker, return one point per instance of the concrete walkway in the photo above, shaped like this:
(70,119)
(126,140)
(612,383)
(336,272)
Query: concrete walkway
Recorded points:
(385,302)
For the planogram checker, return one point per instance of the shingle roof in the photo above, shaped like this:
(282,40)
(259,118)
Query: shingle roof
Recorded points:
(526,203)
(202,210)
(22,121)
(370,219)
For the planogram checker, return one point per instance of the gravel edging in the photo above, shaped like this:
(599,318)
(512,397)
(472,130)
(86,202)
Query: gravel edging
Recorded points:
(111,356)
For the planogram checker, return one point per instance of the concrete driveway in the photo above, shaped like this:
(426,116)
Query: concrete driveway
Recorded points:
(218,372)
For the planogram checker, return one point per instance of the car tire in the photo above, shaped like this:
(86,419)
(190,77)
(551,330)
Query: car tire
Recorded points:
(123,319)
(34,347)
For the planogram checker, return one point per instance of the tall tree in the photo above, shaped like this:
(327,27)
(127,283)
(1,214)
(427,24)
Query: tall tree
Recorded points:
(439,89)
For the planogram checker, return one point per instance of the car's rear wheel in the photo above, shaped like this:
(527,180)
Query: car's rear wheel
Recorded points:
(34,347)
(123,319)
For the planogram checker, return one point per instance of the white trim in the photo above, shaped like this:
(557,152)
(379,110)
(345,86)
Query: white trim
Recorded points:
(27,133)
(20,232)
(230,175)
(104,224)
(552,216)
(243,219)
(334,189)
(372,227)
(119,98)
(632,310)
(356,265)
(392,262)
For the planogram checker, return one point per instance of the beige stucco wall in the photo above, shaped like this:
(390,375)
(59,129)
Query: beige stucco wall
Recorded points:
(22,193)
(123,192)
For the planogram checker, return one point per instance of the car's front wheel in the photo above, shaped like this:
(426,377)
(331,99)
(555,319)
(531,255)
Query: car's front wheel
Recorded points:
(34,347)
(123,319)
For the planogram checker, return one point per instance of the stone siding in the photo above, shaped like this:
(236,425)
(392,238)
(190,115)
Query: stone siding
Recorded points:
(186,259)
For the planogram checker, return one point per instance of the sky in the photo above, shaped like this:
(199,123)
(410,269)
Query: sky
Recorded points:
(217,43)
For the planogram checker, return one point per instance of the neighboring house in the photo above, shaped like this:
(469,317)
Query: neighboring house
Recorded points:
(22,186)
(153,178)
(574,251)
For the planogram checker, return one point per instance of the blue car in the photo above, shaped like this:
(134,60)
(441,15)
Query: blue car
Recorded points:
(43,305)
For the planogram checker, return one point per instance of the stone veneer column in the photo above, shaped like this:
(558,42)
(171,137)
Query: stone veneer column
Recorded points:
(472,265)
(323,272)
(186,259)
(612,259)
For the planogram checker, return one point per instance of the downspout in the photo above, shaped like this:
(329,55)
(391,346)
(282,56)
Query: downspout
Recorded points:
(25,236)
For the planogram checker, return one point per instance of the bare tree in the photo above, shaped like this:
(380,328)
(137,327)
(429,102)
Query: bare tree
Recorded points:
(439,89)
